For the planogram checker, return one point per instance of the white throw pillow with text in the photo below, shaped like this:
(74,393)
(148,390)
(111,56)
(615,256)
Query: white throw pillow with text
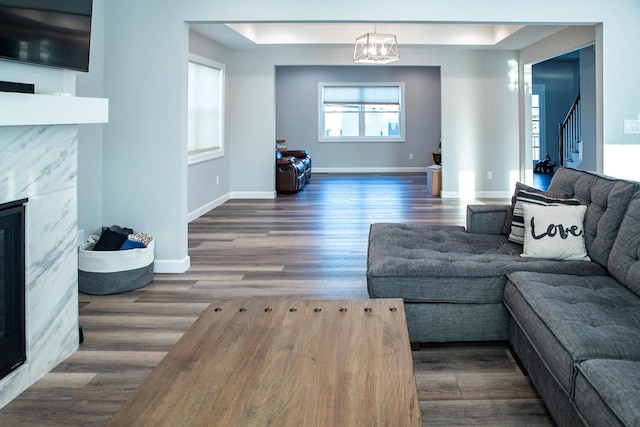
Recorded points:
(554,232)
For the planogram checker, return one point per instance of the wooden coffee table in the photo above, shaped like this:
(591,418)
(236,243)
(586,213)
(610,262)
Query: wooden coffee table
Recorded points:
(296,363)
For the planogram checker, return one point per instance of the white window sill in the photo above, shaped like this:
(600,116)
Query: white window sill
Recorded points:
(359,139)
(204,156)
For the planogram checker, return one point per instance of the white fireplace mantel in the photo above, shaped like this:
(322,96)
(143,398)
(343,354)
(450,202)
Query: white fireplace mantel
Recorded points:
(39,161)
(24,109)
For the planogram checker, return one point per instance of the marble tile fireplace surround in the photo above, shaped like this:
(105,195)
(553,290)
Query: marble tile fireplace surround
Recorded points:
(39,161)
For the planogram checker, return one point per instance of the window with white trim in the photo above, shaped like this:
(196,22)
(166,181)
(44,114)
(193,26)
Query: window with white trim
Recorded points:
(537,122)
(205,132)
(361,112)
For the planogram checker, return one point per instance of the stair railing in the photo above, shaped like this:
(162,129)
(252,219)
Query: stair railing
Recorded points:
(571,137)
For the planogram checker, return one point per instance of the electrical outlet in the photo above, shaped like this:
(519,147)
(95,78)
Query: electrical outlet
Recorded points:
(217,180)
(410,156)
(631,126)
(489,175)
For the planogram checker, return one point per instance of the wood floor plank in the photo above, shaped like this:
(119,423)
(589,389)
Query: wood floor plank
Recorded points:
(464,359)
(132,340)
(52,413)
(110,361)
(307,245)
(120,385)
(58,386)
(492,412)
(474,386)
(110,306)
(123,322)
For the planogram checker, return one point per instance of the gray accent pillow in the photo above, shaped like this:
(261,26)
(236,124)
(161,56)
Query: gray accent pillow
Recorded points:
(537,198)
(506,228)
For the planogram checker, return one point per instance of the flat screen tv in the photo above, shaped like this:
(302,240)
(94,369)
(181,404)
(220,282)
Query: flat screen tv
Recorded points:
(55,33)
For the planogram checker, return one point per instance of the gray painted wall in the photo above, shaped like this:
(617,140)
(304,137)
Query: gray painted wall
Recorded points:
(208,182)
(297,116)
(146,49)
(145,76)
(146,45)
(90,137)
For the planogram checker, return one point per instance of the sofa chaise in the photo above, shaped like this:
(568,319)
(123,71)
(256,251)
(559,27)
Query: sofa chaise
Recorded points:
(573,319)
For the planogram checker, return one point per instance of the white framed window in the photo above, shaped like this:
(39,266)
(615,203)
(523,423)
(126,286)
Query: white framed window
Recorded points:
(205,132)
(361,111)
(538,145)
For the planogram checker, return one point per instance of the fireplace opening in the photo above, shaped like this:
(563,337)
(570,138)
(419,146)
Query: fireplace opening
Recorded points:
(12,286)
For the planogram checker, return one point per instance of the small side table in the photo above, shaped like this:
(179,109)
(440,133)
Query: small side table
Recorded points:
(434,179)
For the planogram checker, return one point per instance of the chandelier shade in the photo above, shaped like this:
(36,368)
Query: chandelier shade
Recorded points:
(375,48)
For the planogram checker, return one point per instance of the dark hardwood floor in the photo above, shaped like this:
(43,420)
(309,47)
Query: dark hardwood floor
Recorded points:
(312,244)
(542,180)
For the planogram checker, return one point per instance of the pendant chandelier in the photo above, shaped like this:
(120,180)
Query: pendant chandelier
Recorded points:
(375,48)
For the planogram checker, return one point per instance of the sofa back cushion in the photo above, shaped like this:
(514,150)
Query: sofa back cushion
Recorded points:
(607,200)
(624,261)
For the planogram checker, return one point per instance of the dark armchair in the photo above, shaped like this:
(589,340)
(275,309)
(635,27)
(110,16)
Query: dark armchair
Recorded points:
(293,170)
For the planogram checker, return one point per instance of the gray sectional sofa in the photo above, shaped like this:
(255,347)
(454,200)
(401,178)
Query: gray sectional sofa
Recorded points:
(574,325)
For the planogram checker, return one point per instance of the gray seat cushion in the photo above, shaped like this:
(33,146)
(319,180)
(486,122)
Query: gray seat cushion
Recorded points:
(442,322)
(569,319)
(439,263)
(608,391)
(606,199)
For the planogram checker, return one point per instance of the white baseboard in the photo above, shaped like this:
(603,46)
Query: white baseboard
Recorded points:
(370,170)
(171,265)
(493,195)
(253,194)
(209,206)
(478,195)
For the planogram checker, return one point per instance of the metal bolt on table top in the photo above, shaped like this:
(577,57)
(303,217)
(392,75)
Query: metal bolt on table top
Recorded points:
(317,309)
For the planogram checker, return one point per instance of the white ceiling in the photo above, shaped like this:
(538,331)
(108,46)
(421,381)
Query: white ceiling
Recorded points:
(488,36)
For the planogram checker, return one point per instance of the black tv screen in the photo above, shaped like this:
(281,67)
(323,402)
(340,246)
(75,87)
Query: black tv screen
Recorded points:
(56,33)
